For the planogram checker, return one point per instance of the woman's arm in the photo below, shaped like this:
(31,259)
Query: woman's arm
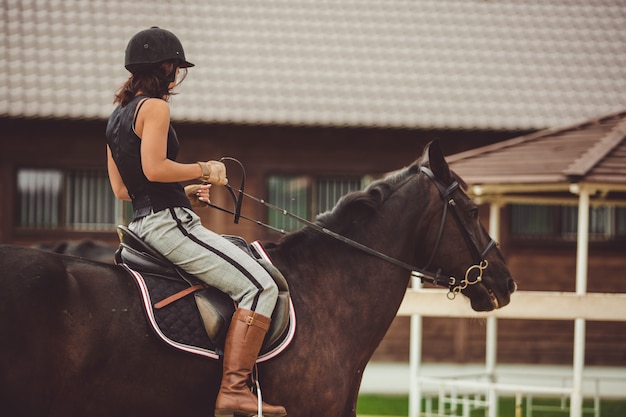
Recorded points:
(152,126)
(118,186)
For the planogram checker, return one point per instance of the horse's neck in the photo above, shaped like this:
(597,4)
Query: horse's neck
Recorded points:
(341,292)
(327,269)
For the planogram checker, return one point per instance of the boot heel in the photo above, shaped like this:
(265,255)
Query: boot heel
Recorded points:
(224,413)
(235,413)
(238,413)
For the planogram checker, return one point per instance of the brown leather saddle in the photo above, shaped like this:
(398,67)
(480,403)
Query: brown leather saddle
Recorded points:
(189,312)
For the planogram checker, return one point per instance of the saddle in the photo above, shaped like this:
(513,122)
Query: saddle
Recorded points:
(191,315)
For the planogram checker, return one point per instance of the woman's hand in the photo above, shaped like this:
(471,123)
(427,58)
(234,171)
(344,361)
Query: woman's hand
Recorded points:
(213,172)
(198,195)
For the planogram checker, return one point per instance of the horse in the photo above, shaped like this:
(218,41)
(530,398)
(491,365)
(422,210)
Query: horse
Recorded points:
(75,340)
(91,249)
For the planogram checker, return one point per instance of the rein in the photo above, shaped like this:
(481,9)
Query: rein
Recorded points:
(454,285)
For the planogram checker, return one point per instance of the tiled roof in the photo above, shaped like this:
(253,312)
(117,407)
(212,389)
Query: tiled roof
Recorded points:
(593,152)
(505,64)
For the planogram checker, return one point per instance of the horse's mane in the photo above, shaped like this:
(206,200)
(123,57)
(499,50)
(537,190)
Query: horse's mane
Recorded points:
(356,205)
(365,202)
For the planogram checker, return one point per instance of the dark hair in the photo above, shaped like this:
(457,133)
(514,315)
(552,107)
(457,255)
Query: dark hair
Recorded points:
(152,81)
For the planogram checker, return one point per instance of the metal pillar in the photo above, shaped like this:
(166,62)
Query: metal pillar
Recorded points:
(582,251)
(415,360)
(491,348)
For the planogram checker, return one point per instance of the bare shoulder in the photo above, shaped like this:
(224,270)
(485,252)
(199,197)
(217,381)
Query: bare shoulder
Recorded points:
(155,113)
(156,107)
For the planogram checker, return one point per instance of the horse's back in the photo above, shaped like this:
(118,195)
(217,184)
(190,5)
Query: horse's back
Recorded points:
(37,285)
(29,287)
(50,305)
(74,340)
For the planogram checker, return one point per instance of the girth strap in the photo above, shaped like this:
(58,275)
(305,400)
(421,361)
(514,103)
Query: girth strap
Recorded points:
(175,297)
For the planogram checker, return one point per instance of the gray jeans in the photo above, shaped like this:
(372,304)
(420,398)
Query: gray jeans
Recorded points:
(179,235)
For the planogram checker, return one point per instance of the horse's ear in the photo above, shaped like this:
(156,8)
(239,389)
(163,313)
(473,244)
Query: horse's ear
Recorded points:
(434,159)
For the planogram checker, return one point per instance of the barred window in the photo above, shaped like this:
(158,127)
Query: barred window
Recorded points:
(72,199)
(561,222)
(39,192)
(291,194)
(330,190)
(305,197)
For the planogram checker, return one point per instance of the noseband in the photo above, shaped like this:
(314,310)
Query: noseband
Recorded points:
(480,263)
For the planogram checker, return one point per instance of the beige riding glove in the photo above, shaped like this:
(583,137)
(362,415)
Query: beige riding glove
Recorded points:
(213,172)
(193,194)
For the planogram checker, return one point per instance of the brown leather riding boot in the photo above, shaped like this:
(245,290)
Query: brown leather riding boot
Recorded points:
(243,342)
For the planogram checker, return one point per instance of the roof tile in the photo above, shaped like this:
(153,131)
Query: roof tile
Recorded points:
(419,63)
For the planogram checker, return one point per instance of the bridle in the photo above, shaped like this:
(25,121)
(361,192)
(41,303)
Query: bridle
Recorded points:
(480,263)
(454,285)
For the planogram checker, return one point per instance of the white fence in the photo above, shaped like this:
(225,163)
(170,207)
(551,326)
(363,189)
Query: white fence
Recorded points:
(461,393)
(579,307)
(532,305)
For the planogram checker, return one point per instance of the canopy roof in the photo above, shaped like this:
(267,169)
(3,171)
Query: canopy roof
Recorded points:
(590,154)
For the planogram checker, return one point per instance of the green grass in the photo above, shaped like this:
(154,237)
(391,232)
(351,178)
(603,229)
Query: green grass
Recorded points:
(382,405)
(398,405)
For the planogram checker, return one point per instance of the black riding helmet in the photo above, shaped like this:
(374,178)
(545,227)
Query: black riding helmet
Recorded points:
(151,46)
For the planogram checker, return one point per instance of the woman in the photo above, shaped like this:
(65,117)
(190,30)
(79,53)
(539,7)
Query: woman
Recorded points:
(141,156)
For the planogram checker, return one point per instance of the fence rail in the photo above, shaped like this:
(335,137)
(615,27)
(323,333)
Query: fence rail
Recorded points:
(532,305)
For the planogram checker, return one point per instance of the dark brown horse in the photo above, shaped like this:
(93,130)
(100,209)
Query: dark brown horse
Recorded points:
(75,342)
(89,249)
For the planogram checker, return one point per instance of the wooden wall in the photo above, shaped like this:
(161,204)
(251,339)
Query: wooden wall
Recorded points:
(267,150)
(264,150)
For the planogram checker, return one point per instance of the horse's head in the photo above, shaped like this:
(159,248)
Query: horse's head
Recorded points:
(455,241)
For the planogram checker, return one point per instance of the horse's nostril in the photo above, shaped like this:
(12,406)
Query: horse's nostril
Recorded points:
(511,285)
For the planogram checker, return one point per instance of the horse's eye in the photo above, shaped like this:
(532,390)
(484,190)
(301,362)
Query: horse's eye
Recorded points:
(473,213)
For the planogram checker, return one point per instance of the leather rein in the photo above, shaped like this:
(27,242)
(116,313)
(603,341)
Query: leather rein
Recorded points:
(453,284)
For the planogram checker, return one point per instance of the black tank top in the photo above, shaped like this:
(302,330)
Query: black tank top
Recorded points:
(125,148)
